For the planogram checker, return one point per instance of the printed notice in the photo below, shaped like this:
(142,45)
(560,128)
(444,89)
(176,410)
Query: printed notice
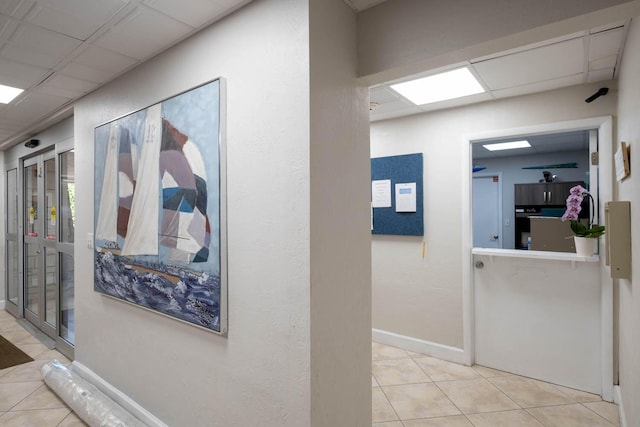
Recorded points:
(406,197)
(381,193)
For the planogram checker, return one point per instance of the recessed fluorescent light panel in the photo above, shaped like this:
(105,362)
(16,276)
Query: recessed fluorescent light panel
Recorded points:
(440,87)
(8,93)
(507,145)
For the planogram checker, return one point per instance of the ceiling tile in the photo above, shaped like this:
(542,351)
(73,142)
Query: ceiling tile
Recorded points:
(28,56)
(139,34)
(600,75)
(104,59)
(192,12)
(75,18)
(66,86)
(20,75)
(607,27)
(16,8)
(360,5)
(44,41)
(89,74)
(457,102)
(575,79)
(603,62)
(382,95)
(535,65)
(38,104)
(605,44)
(7,28)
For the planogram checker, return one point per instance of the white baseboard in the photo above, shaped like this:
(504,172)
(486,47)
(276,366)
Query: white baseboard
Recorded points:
(444,352)
(2,305)
(117,396)
(617,399)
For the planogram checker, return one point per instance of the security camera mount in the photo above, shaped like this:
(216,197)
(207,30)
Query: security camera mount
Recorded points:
(32,143)
(598,94)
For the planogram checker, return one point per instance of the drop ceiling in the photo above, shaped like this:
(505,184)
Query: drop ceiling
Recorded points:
(586,57)
(60,50)
(540,144)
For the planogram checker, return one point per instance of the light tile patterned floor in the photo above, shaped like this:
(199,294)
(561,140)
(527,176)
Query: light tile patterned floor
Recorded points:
(414,390)
(408,390)
(25,400)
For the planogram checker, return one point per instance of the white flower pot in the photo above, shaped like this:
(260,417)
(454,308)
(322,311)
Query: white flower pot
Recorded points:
(585,246)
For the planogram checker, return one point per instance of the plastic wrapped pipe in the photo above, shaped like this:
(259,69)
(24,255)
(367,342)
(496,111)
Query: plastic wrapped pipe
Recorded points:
(90,404)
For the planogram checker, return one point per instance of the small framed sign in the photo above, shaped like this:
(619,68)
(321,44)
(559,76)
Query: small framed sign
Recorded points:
(622,161)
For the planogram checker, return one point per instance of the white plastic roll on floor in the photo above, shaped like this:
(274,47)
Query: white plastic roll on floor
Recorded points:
(90,404)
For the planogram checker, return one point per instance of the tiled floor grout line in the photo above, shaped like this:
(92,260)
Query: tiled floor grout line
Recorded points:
(388,400)
(26,397)
(581,403)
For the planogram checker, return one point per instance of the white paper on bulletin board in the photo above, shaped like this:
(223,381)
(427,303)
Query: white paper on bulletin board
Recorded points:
(406,197)
(381,193)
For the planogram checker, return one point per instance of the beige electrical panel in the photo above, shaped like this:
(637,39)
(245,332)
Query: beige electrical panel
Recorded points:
(618,238)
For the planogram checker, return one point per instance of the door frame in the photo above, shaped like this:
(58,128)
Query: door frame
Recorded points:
(61,141)
(604,181)
(40,319)
(500,207)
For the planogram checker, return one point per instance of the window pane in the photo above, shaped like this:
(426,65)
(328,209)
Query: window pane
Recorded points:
(51,285)
(67,319)
(31,199)
(32,291)
(66,214)
(50,226)
(12,201)
(12,271)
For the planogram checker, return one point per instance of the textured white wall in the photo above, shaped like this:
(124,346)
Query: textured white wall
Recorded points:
(340,233)
(260,374)
(629,189)
(422,298)
(299,348)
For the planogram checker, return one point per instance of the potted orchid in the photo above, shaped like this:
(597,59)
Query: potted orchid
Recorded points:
(585,236)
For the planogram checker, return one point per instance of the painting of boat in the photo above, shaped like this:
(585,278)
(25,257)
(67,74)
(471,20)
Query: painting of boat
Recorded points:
(157,208)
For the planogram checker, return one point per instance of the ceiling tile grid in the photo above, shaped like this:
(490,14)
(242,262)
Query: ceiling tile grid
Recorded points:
(137,35)
(60,50)
(587,57)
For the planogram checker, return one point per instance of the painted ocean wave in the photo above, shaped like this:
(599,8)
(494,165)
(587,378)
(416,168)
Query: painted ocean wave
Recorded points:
(195,297)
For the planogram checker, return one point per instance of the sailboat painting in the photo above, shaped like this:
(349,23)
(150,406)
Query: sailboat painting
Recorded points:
(158,197)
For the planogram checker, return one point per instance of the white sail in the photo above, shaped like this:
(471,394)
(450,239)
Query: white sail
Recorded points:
(142,231)
(106,227)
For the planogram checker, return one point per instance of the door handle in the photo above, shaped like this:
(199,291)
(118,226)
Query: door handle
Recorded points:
(549,197)
(544,197)
(494,237)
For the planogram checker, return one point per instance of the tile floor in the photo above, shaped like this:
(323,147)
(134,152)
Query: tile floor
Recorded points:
(408,390)
(25,400)
(414,390)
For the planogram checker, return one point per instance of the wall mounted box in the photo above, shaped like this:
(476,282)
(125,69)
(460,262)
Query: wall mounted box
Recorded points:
(618,238)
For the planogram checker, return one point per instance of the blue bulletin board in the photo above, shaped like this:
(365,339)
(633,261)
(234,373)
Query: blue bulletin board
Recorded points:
(405,169)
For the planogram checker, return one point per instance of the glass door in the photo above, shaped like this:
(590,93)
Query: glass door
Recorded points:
(40,265)
(12,268)
(66,225)
(48,224)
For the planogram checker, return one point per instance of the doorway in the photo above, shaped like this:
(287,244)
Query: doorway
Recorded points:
(476,258)
(487,210)
(40,195)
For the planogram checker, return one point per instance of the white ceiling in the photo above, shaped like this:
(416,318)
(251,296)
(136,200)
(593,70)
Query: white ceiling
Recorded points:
(60,50)
(540,144)
(585,57)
